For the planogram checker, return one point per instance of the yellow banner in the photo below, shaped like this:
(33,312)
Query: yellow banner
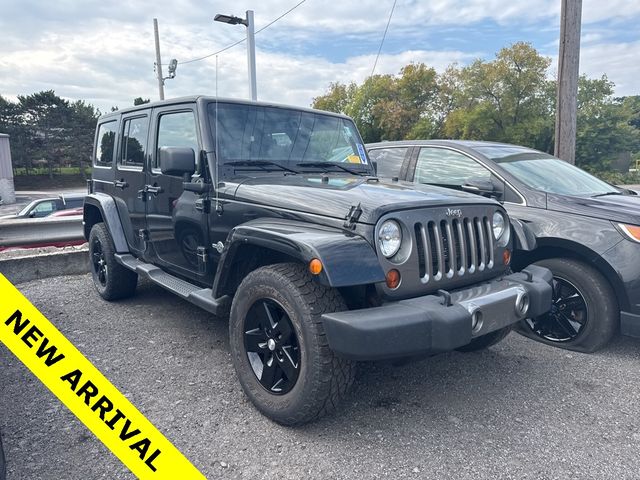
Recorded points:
(86,392)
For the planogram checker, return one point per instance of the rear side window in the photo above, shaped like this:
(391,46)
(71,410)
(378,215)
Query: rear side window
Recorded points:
(176,130)
(134,142)
(105,143)
(388,160)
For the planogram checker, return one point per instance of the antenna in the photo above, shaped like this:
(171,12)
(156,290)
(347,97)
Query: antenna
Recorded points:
(215,154)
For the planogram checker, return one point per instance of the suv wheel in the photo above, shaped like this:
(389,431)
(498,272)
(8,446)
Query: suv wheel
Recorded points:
(279,348)
(584,315)
(111,279)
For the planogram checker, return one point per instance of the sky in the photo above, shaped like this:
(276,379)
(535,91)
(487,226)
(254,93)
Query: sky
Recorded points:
(103,52)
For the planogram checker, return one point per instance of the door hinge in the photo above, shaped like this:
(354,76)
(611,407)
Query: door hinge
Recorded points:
(203,258)
(203,205)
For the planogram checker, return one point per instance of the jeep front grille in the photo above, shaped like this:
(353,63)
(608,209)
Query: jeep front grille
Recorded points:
(451,247)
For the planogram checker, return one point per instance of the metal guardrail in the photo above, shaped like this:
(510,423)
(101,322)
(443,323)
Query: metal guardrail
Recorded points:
(30,232)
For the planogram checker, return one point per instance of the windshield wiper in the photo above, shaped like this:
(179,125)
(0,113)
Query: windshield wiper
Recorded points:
(606,193)
(261,164)
(326,166)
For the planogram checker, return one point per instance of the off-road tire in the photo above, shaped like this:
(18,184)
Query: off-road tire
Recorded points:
(120,282)
(324,379)
(486,341)
(603,319)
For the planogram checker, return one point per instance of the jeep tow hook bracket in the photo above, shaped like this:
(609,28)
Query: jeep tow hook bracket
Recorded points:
(446,298)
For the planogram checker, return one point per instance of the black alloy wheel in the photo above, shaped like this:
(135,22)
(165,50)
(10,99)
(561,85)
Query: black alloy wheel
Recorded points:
(272,347)
(584,313)
(99,262)
(568,316)
(112,280)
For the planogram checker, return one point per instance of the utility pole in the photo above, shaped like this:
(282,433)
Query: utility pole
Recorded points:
(158,61)
(568,71)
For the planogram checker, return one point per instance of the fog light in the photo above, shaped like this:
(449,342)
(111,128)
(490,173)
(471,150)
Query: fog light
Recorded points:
(393,279)
(315,266)
(522,304)
(506,256)
(476,321)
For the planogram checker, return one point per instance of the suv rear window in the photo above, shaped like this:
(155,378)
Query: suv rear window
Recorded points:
(105,143)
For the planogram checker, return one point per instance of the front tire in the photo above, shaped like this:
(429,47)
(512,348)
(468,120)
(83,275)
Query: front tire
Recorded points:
(584,315)
(278,345)
(112,280)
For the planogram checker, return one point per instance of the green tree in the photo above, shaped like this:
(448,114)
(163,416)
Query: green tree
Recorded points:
(507,99)
(140,101)
(605,126)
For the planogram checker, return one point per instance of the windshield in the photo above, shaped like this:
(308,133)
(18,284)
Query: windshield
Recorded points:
(289,137)
(545,172)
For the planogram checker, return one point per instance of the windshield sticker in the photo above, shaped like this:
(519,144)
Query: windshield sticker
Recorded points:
(363,155)
(353,159)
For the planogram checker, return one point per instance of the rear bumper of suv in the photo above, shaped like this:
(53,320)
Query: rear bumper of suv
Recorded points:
(438,323)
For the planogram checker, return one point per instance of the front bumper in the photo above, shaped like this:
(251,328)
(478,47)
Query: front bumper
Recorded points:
(438,323)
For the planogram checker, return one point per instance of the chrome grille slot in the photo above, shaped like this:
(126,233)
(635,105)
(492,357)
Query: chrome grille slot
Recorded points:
(454,247)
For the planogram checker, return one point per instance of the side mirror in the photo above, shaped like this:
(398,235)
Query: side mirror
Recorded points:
(374,164)
(177,161)
(479,186)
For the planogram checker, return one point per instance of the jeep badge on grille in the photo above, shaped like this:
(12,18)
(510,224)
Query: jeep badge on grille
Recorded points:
(454,212)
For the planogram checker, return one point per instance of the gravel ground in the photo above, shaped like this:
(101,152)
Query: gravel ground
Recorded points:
(519,410)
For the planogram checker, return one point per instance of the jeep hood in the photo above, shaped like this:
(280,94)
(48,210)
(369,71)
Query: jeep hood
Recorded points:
(617,208)
(335,195)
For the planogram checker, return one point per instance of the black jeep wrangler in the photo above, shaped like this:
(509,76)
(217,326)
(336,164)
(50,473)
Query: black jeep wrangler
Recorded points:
(274,216)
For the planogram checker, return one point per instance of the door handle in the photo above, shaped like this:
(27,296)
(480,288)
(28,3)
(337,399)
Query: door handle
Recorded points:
(121,184)
(154,189)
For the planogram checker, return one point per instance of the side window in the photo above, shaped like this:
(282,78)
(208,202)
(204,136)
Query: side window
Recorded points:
(105,142)
(176,129)
(134,142)
(446,167)
(388,160)
(44,209)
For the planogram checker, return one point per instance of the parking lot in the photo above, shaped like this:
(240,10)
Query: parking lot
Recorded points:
(518,410)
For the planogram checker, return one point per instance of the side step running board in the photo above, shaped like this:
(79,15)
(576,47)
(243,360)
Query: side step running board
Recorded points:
(202,297)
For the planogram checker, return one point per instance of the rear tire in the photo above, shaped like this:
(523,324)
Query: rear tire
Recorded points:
(585,314)
(282,357)
(112,280)
(486,341)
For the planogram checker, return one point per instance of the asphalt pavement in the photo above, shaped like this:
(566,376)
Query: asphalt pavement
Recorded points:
(520,410)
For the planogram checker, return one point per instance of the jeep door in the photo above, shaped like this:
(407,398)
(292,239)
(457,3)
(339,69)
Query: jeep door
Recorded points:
(129,180)
(176,220)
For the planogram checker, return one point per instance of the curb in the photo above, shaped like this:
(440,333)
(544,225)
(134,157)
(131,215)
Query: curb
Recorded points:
(37,266)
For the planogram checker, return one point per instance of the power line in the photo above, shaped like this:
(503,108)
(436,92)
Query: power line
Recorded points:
(244,39)
(384,35)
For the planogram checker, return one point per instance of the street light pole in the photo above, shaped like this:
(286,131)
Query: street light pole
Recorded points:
(251,46)
(251,56)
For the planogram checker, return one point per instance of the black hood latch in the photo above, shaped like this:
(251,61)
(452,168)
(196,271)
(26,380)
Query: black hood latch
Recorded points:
(352,217)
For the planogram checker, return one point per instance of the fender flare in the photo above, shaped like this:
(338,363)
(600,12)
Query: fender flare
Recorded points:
(347,259)
(523,237)
(106,205)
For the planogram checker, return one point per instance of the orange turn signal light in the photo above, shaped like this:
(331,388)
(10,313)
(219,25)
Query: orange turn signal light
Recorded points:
(632,231)
(393,278)
(506,256)
(315,266)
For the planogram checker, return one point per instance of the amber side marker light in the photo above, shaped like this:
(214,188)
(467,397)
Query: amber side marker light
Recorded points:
(506,257)
(393,278)
(632,231)
(315,266)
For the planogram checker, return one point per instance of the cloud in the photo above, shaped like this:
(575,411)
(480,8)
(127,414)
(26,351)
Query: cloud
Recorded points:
(103,52)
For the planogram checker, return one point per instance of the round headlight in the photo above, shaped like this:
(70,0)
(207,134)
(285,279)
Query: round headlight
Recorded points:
(498,225)
(389,238)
